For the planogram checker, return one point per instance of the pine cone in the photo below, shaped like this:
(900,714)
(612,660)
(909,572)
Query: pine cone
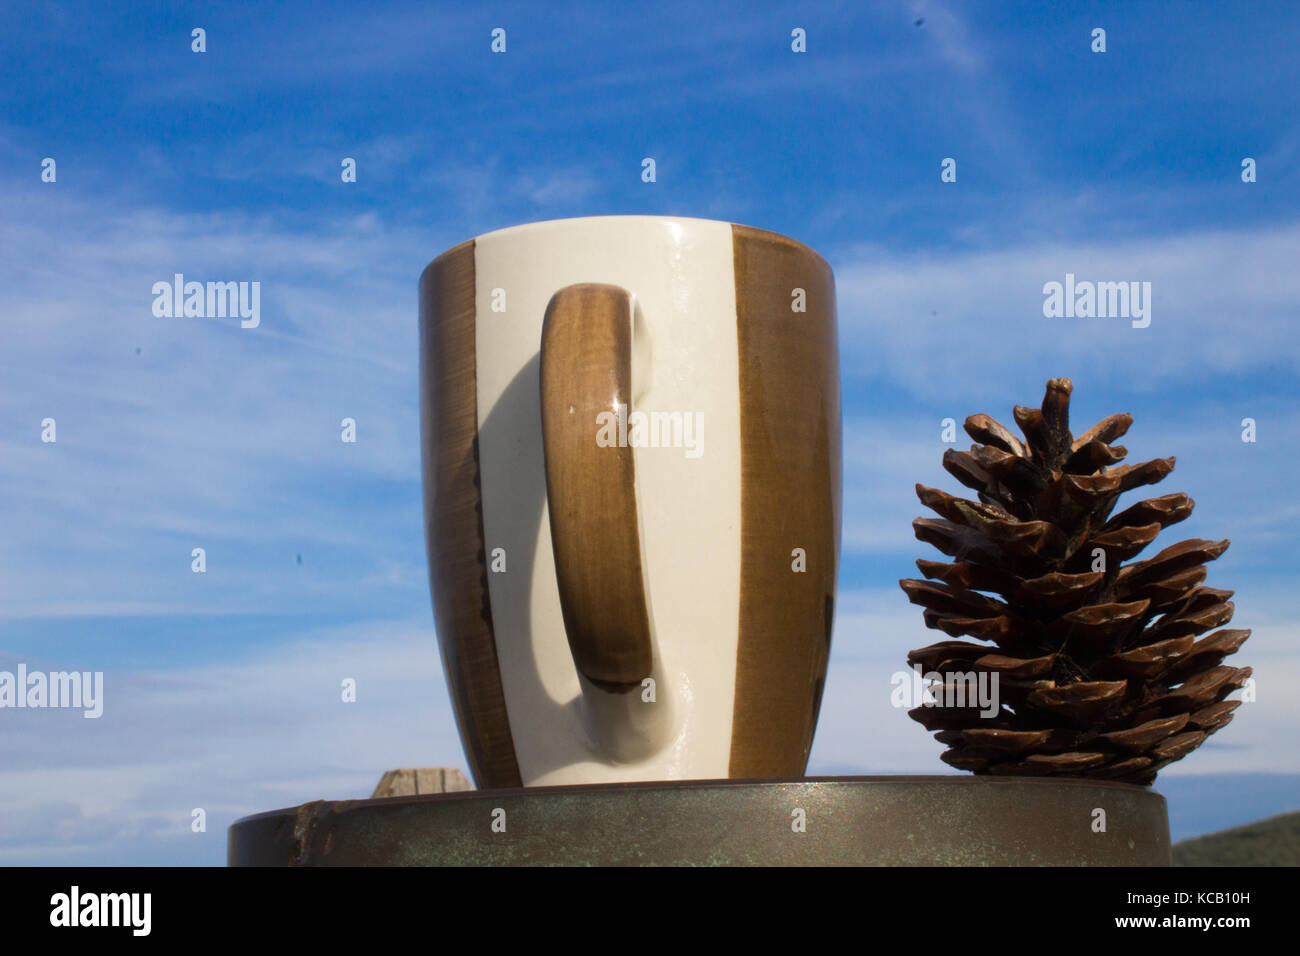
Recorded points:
(1099,670)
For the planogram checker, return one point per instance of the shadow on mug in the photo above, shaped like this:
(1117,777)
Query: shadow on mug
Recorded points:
(516,422)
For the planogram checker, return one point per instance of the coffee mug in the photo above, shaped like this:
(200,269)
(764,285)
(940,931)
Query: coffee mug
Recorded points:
(630,433)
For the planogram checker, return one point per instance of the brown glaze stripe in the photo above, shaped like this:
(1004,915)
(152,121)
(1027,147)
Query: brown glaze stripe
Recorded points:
(586,367)
(789,399)
(453,516)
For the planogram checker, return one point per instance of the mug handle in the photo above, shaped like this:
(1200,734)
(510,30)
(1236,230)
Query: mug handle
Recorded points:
(587,357)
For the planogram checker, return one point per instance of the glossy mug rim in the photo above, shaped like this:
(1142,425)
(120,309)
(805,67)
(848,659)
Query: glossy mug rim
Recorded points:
(542,224)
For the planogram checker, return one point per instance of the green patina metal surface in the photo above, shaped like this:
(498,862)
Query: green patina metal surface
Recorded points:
(854,821)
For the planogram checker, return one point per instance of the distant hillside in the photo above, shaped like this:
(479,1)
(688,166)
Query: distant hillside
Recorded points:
(1272,842)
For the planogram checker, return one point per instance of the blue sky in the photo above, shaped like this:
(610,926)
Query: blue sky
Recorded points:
(222,688)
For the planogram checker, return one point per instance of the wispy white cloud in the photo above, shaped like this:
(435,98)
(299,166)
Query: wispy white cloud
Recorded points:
(883,460)
(951,36)
(558,186)
(264,730)
(212,435)
(943,325)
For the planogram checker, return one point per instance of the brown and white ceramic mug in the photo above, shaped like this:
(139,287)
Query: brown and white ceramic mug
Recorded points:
(631,456)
